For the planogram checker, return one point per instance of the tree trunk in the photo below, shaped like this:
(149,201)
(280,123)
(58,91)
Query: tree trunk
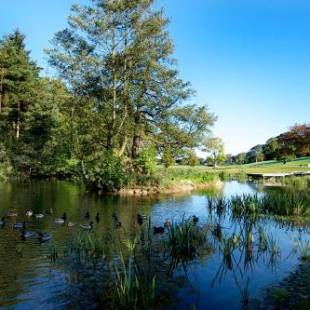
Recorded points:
(135,146)
(136,142)
(123,147)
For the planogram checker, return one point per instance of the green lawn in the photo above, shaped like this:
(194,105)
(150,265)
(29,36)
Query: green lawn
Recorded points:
(300,164)
(202,174)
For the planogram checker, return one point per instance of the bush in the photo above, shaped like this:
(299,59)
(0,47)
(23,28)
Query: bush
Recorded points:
(192,159)
(107,173)
(145,163)
(168,157)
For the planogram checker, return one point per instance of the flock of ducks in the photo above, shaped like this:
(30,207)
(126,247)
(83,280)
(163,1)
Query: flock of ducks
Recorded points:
(43,237)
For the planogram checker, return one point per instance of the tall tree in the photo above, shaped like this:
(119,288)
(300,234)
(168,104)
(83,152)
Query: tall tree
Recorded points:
(18,78)
(215,147)
(118,55)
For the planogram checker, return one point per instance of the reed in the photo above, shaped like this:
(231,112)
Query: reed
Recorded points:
(245,205)
(131,290)
(86,247)
(184,241)
(218,203)
(288,203)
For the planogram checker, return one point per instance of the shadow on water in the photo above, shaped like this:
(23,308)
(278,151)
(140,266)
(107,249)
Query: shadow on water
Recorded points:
(221,258)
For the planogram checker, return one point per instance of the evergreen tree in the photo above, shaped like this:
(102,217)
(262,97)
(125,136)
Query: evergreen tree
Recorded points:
(18,78)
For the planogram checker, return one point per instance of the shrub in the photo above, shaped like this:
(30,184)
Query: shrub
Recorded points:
(168,157)
(145,163)
(108,173)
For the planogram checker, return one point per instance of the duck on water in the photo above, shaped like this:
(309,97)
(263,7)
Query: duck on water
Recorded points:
(87,226)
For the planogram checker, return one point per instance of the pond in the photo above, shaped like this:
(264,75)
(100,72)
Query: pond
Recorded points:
(30,279)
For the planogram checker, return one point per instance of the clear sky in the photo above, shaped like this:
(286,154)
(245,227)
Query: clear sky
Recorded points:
(249,61)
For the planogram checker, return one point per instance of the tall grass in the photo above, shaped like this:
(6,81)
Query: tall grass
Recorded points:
(85,247)
(131,291)
(286,203)
(245,205)
(184,241)
(197,175)
(218,203)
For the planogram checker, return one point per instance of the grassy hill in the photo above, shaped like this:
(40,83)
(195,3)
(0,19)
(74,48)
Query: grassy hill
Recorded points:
(203,174)
(300,164)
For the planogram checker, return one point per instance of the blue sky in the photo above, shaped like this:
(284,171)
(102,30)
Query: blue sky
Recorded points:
(249,61)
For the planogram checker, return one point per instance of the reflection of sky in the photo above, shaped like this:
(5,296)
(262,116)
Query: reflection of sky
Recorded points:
(33,280)
(225,293)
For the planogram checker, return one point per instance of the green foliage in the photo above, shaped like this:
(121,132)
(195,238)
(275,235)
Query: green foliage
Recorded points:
(245,205)
(215,147)
(280,296)
(130,290)
(191,159)
(175,174)
(85,247)
(285,147)
(288,203)
(146,161)
(120,96)
(107,173)
(184,241)
(168,157)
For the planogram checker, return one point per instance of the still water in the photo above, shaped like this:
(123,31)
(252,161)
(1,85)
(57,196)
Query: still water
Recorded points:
(30,280)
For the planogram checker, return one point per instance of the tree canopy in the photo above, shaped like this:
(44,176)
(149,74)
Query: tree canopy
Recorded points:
(118,101)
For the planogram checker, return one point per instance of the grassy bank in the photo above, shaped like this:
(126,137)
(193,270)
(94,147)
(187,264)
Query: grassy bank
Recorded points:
(271,166)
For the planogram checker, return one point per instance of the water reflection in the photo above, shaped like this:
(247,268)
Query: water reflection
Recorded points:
(240,256)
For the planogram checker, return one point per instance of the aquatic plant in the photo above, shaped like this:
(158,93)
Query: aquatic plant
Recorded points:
(303,247)
(85,247)
(184,240)
(245,294)
(273,249)
(287,203)
(245,205)
(228,246)
(262,239)
(218,203)
(131,290)
(53,253)
(279,296)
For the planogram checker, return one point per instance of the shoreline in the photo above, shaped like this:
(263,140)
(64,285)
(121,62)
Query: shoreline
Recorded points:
(176,188)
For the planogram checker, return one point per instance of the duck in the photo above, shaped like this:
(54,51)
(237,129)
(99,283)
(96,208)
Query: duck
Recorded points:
(70,224)
(28,234)
(44,237)
(87,215)
(87,226)
(39,216)
(12,214)
(29,213)
(2,222)
(195,219)
(141,218)
(97,217)
(19,225)
(167,223)
(158,230)
(59,221)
